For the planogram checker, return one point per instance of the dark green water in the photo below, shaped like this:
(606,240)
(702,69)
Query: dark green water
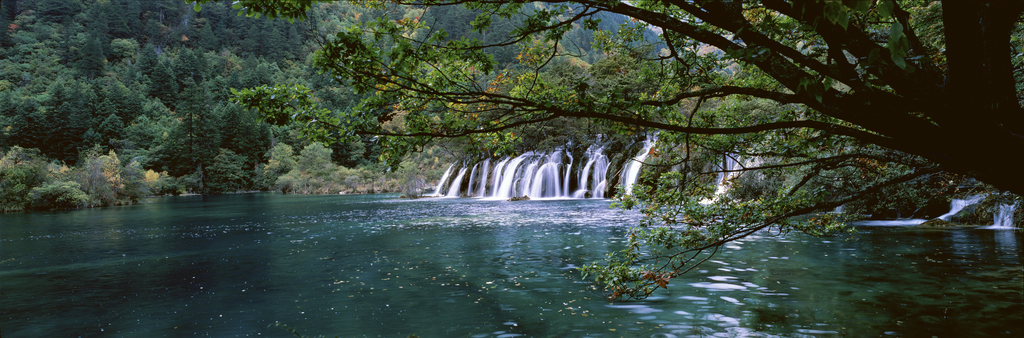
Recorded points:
(378,266)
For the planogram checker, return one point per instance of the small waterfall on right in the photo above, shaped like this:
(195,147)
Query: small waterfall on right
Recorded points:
(629,176)
(959,204)
(597,161)
(729,166)
(1004,218)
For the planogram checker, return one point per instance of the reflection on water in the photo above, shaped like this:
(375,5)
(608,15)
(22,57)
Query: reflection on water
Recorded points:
(378,266)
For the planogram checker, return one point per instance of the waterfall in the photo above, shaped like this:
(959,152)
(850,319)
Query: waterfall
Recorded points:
(497,176)
(600,174)
(565,184)
(506,189)
(526,178)
(472,177)
(483,179)
(633,169)
(1004,218)
(453,189)
(440,184)
(599,162)
(534,174)
(958,204)
(729,165)
(547,182)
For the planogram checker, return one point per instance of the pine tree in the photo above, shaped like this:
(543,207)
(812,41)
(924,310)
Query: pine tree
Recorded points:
(59,11)
(90,139)
(207,39)
(119,100)
(112,128)
(163,84)
(8,11)
(148,60)
(91,59)
(28,124)
(67,121)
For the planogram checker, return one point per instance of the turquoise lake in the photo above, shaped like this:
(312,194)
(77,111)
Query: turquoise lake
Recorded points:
(380,266)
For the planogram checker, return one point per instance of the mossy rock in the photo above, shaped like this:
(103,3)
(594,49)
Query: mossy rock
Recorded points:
(982,213)
(523,198)
(938,223)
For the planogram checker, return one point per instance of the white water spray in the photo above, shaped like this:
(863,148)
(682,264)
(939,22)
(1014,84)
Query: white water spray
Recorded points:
(453,189)
(1004,218)
(483,179)
(440,184)
(959,204)
(629,176)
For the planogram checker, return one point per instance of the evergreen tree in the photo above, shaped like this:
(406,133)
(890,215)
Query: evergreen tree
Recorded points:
(98,24)
(67,120)
(207,39)
(244,134)
(8,11)
(111,128)
(194,142)
(90,139)
(27,124)
(188,67)
(124,19)
(163,84)
(59,11)
(148,60)
(91,59)
(227,173)
(121,101)
(155,33)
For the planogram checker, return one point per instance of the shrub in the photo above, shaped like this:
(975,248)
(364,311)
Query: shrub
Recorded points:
(58,196)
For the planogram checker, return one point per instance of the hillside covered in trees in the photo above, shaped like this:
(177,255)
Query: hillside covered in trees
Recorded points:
(103,102)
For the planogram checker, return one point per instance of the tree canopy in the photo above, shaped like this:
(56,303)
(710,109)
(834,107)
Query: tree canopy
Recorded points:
(822,103)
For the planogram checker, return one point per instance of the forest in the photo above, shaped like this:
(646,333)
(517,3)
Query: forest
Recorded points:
(105,102)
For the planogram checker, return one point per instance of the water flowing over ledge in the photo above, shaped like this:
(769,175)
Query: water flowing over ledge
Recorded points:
(545,175)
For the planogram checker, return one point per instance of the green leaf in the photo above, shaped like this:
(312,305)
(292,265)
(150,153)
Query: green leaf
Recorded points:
(859,6)
(898,45)
(874,56)
(886,8)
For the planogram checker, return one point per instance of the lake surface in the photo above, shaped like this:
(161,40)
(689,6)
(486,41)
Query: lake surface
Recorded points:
(379,266)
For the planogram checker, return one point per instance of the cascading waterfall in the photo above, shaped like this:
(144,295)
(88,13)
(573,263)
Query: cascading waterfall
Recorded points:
(599,162)
(440,184)
(483,179)
(472,178)
(729,166)
(537,175)
(453,189)
(546,182)
(568,169)
(497,176)
(959,204)
(504,190)
(1004,218)
(633,169)
(526,178)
